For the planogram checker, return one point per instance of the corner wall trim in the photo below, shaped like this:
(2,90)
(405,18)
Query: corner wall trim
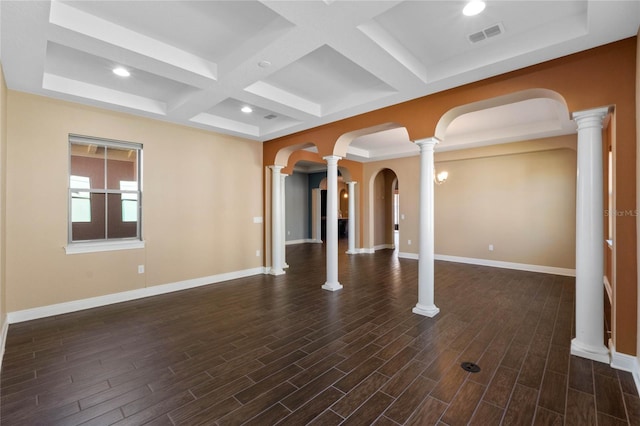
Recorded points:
(3,336)
(625,362)
(508,265)
(125,296)
(621,361)
(636,374)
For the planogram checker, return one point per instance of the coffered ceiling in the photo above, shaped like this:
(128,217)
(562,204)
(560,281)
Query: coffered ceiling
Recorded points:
(297,64)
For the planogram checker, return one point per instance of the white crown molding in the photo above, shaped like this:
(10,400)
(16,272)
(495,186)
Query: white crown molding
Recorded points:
(94,302)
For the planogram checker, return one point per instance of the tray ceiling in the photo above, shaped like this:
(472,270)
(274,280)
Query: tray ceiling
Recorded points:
(297,64)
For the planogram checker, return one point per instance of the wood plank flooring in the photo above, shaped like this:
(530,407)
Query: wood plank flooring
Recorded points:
(265,350)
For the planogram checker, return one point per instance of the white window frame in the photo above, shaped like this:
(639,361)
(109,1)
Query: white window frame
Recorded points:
(106,244)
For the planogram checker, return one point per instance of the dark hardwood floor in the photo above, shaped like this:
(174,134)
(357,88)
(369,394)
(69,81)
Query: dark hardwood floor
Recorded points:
(264,350)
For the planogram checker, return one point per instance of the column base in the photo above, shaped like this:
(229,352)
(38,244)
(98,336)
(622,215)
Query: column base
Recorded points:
(331,286)
(600,353)
(274,271)
(351,252)
(427,311)
(286,265)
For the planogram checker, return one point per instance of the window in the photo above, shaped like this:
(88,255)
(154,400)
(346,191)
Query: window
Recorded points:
(80,200)
(104,191)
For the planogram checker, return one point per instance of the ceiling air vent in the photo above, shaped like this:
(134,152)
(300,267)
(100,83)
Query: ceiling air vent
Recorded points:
(270,116)
(492,31)
(476,37)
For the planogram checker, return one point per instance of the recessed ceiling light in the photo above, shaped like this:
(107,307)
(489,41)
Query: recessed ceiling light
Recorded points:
(264,64)
(122,72)
(473,8)
(246,109)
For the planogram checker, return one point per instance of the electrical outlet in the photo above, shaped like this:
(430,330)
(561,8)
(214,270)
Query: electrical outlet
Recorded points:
(409,242)
(490,247)
(141,269)
(257,253)
(402,216)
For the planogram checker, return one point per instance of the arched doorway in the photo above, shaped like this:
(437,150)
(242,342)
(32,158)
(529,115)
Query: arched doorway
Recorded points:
(383,187)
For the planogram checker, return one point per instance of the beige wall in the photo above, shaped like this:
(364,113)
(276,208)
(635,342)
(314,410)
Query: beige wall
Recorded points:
(522,204)
(201,191)
(519,197)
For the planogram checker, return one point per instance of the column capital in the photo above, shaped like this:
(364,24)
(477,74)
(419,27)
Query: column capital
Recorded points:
(276,168)
(332,159)
(590,117)
(353,182)
(427,143)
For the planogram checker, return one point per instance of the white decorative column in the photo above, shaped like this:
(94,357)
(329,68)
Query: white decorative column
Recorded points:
(332,283)
(283,198)
(352,218)
(589,340)
(276,222)
(426,262)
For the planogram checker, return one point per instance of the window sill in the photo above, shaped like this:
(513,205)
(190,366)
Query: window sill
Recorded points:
(94,247)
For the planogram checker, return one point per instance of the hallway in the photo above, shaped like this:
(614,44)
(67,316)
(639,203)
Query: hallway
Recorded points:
(267,349)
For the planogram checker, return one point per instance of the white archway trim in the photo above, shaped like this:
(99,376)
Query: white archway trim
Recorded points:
(282,157)
(342,144)
(511,98)
(525,115)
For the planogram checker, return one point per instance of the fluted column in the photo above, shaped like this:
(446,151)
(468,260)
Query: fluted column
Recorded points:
(283,199)
(332,283)
(589,340)
(352,218)
(426,262)
(276,221)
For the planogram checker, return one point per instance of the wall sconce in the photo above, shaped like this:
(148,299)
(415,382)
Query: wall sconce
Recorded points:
(439,178)
(345,195)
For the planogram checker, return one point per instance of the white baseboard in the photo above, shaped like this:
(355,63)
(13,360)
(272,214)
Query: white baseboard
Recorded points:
(508,265)
(621,361)
(625,362)
(94,302)
(3,337)
(375,248)
(303,241)
(404,255)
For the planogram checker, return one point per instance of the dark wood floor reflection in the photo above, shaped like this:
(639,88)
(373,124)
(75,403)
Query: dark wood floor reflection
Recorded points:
(264,350)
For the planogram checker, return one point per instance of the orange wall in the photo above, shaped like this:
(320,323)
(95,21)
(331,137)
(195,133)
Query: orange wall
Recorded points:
(593,78)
